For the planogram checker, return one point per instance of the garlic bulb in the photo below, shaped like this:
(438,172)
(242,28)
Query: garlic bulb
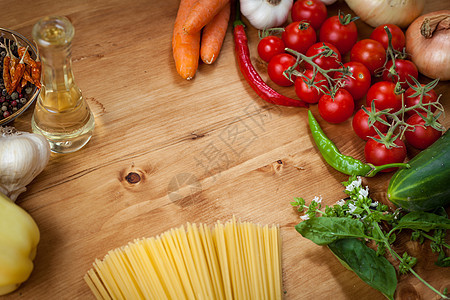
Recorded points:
(378,12)
(23,156)
(264,14)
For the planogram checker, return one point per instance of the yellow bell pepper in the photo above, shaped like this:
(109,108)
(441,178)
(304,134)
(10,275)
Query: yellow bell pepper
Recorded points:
(19,237)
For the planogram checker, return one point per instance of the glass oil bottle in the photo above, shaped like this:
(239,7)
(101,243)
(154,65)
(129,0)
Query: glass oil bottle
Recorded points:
(61,113)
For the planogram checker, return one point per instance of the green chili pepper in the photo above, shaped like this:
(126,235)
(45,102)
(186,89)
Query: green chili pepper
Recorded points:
(345,164)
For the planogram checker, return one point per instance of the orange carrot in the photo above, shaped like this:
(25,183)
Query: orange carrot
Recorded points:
(202,13)
(185,47)
(214,34)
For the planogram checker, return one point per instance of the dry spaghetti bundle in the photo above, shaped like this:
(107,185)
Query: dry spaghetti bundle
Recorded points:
(232,260)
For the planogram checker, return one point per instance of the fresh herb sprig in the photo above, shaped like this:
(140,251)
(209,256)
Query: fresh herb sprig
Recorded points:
(348,226)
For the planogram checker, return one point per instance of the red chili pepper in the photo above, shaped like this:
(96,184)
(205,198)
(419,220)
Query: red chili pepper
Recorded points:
(27,74)
(36,70)
(23,52)
(6,74)
(250,74)
(18,74)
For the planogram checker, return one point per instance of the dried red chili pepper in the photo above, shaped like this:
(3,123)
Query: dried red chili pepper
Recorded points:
(36,74)
(12,62)
(248,70)
(27,74)
(25,78)
(36,71)
(23,52)
(20,86)
(6,73)
(27,58)
(18,74)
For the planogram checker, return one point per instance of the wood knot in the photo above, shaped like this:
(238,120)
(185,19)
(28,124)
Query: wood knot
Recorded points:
(277,166)
(195,135)
(133,178)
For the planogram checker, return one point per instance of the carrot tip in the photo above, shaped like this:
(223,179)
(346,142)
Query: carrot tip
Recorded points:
(208,60)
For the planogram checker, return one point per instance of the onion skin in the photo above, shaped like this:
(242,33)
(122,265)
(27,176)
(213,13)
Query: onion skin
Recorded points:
(432,55)
(328,2)
(379,12)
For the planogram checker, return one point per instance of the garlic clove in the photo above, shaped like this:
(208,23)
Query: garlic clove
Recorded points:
(23,156)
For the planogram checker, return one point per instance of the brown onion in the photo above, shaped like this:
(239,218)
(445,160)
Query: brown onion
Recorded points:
(428,43)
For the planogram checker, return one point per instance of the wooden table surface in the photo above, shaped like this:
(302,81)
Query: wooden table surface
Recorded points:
(205,150)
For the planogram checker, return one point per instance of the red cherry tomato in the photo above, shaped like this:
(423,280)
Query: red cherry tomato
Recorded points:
(370,53)
(360,124)
(378,154)
(326,63)
(338,109)
(411,100)
(359,83)
(299,36)
(404,69)
(270,46)
(398,37)
(312,11)
(383,93)
(307,94)
(276,67)
(335,31)
(421,137)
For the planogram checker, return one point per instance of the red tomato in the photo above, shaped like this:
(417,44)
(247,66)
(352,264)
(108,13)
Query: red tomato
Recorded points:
(398,37)
(307,94)
(378,154)
(299,36)
(360,124)
(383,93)
(404,69)
(338,109)
(276,67)
(421,137)
(411,100)
(341,35)
(360,83)
(312,11)
(270,46)
(326,63)
(370,53)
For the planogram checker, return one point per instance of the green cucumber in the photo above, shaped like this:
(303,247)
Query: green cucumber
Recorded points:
(426,184)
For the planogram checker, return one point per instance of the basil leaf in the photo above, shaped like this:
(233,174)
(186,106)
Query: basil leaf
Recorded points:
(323,231)
(443,260)
(440,211)
(374,270)
(420,220)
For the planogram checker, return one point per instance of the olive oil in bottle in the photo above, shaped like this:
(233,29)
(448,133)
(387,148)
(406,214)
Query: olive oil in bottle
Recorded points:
(61,113)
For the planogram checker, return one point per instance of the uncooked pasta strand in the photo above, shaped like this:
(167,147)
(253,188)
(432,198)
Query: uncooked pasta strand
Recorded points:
(232,260)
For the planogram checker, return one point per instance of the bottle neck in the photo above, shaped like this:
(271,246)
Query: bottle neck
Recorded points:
(53,36)
(57,72)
